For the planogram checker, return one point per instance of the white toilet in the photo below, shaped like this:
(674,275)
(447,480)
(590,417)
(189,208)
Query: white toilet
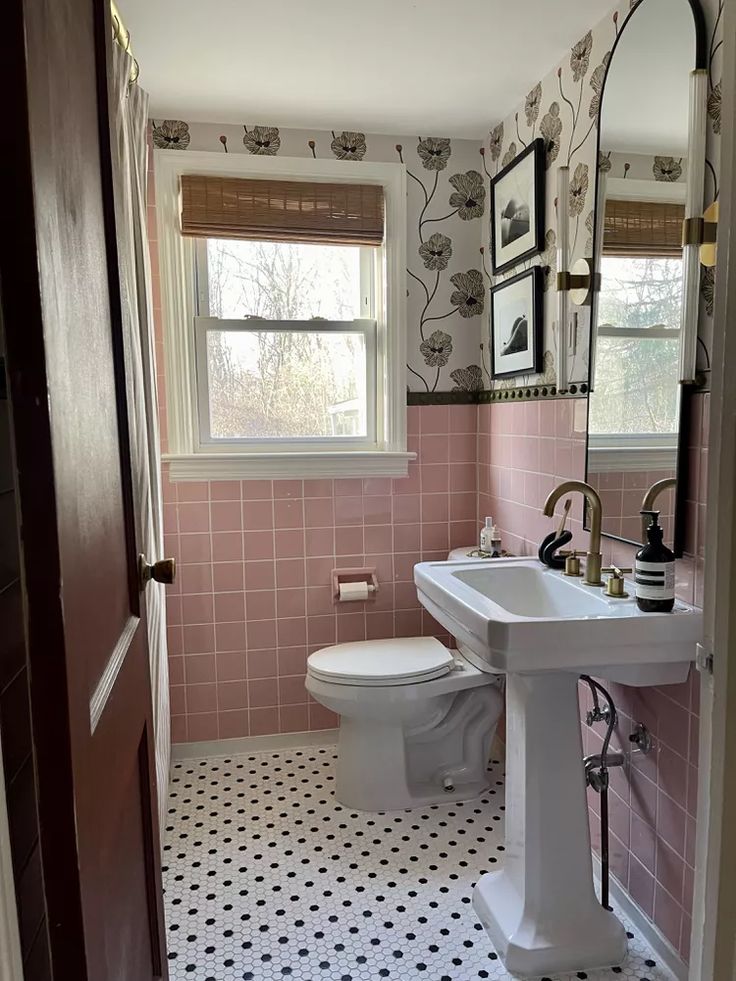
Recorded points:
(416,721)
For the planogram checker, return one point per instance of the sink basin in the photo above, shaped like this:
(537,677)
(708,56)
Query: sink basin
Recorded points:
(516,615)
(543,629)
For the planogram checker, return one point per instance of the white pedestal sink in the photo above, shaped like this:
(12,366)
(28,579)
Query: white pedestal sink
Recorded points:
(544,630)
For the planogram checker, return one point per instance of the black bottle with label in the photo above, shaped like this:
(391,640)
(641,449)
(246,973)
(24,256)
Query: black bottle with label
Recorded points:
(655,571)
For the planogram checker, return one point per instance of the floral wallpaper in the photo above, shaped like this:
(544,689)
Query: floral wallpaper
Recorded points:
(448,247)
(447,211)
(563,109)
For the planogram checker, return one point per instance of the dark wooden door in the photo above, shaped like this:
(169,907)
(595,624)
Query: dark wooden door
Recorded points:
(86,633)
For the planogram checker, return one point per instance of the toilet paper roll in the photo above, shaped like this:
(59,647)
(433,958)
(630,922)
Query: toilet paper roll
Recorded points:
(351,591)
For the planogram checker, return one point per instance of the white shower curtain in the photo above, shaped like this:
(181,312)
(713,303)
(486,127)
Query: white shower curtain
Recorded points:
(129,121)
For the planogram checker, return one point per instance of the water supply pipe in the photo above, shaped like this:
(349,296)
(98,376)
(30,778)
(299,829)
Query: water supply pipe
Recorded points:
(596,772)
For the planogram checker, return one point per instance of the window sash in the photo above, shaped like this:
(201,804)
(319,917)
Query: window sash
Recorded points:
(365,327)
(369,257)
(655,332)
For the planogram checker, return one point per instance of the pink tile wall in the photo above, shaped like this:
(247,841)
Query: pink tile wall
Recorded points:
(652,802)
(621,493)
(253,595)
(252,598)
(524,450)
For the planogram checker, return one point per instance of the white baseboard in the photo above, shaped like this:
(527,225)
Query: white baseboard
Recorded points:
(279,740)
(252,744)
(661,947)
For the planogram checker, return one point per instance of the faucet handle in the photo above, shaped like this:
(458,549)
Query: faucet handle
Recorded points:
(615,585)
(572,563)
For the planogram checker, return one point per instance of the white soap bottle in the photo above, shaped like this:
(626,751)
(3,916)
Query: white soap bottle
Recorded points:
(490,539)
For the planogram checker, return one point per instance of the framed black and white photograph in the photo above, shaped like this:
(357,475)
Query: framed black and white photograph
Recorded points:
(517,209)
(516,324)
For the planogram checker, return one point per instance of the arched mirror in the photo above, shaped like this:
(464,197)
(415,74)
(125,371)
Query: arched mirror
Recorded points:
(635,425)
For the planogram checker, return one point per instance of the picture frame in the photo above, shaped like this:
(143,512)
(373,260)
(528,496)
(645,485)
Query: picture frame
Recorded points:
(517,209)
(517,311)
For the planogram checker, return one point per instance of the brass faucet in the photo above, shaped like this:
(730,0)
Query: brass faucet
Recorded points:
(650,497)
(593,558)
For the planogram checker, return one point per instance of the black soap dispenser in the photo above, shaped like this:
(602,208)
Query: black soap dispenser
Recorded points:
(655,571)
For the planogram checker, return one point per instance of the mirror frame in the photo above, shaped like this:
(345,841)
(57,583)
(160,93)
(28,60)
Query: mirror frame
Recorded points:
(686,390)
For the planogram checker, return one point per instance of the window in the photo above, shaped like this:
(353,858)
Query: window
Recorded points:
(638,346)
(285,343)
(284,311)
(635,405)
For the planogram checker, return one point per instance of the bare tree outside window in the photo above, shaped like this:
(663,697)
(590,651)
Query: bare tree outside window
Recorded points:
(636,388)
(282,383)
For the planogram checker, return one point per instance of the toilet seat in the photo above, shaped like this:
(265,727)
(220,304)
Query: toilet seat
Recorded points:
(376,663)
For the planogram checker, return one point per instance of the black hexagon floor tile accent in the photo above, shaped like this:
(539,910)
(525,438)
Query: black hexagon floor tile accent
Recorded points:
(268,878)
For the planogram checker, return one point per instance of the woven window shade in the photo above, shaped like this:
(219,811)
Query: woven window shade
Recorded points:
(643,228)
(281,211)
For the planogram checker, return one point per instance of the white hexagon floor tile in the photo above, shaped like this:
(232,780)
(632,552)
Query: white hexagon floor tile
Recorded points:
(267,877)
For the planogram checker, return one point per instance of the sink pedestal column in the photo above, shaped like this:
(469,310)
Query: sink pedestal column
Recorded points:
(540,910)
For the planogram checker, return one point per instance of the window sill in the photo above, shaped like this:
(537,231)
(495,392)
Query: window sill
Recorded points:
(275,466)
(612,459)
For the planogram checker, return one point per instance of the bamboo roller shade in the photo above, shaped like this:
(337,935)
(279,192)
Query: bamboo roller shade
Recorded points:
(643,228)
(281,211)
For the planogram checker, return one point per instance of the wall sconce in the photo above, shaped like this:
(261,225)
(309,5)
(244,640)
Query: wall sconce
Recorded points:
(576,284)
(579,282)
(563,249)
(703,232)
(695,225)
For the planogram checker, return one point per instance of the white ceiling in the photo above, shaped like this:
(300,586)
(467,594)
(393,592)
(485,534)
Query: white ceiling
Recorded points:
(646,98)
(439,67)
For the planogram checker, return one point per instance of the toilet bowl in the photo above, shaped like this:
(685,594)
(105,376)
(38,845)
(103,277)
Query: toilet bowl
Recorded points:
(416,721)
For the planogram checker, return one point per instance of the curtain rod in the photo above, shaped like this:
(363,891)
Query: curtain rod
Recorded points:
(121,35)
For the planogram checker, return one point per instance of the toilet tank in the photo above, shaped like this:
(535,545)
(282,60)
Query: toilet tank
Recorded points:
(462,555)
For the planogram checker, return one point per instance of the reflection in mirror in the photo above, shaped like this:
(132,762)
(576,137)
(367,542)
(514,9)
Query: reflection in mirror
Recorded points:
(634,405)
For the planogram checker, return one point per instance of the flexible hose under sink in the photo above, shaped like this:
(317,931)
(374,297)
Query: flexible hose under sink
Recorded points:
(595,688)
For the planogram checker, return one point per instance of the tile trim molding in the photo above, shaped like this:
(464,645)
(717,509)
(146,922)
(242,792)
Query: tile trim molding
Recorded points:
(442,398)
(527,393)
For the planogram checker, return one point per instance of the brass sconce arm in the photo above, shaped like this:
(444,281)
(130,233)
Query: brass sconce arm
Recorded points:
(580,281)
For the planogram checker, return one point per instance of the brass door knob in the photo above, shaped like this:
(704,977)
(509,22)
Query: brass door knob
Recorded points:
(163,571)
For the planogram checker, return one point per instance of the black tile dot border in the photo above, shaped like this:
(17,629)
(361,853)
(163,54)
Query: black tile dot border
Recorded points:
(525,393)
(267,877)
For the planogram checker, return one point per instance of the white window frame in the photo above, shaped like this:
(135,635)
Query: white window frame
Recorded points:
(611,452)
(191,458)
(636,189)
(365,328)
(369,280)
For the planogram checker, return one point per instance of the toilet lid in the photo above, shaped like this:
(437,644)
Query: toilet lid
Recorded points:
(400,661)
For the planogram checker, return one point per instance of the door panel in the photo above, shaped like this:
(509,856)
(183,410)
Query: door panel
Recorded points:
(87,646)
